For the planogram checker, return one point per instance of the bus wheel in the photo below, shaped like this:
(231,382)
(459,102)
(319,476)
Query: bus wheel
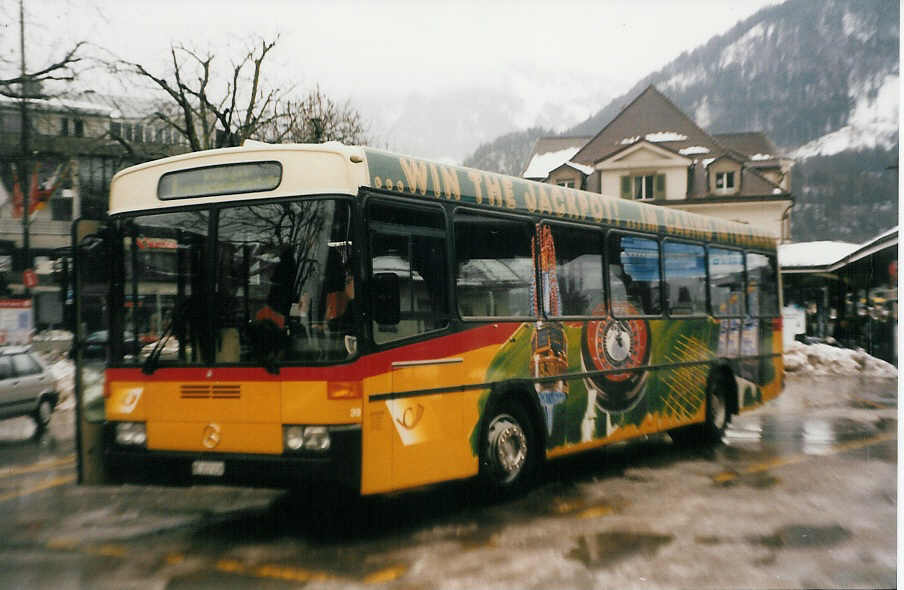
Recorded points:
(717,416)
(508,452)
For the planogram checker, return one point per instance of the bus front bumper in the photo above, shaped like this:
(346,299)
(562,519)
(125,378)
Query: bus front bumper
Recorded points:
(341,464)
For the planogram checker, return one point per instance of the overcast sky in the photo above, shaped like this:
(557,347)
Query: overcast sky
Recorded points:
(395,46)
(563,60)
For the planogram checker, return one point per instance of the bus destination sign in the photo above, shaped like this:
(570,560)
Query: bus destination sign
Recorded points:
(227,179)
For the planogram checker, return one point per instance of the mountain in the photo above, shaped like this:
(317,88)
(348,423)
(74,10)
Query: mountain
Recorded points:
(821,79)
(477,111)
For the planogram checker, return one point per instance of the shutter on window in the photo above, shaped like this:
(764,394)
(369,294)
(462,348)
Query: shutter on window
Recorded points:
(659,187)
(626,187)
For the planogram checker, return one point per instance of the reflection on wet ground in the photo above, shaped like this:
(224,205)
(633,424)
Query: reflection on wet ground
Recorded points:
(604,549)
(780,434)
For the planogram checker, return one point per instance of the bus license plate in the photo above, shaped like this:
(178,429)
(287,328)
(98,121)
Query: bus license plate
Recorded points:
(208,468)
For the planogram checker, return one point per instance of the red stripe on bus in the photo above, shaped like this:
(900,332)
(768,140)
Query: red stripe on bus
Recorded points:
(361,368)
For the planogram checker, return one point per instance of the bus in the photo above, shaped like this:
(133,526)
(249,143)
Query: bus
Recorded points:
(281,315)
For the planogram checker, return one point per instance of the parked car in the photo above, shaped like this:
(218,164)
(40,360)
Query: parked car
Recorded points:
(26,386)
(96,344)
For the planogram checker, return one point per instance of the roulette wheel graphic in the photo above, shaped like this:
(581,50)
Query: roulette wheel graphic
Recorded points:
(613,343)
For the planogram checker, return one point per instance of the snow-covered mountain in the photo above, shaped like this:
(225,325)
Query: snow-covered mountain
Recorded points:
(821,79)
(470,114)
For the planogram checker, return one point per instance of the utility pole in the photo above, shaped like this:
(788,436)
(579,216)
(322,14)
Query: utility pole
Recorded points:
(25,139)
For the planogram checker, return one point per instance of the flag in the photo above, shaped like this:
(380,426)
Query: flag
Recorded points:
(38,193)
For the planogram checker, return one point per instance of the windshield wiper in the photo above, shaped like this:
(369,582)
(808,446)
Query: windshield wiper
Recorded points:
(152,362)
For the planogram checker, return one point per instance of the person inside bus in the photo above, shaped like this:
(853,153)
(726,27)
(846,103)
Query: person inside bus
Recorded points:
(267,332)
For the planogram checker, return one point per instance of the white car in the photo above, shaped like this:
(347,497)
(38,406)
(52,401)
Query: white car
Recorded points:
(26,386)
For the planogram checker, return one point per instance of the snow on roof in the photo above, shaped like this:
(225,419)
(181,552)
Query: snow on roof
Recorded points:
(664,136)
(542,164)
(587,170)
(810,254)
(758,157)
(630,140)
(693,150)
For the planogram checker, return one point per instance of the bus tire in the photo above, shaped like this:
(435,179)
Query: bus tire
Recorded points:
(509,449)
(718,413)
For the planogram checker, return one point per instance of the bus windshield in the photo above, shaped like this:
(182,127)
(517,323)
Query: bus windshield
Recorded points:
(259,284)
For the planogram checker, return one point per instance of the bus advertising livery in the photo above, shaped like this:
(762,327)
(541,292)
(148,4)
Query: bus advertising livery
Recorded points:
(281,315)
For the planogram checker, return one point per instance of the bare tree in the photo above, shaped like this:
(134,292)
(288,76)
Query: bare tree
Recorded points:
(317,118)
(213,106)
(30,84)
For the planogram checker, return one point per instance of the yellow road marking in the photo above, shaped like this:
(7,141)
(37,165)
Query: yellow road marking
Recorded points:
(36,467)
(725,477)
(272,571)
(174,558)
(595,512)
(386,575)
(52,483)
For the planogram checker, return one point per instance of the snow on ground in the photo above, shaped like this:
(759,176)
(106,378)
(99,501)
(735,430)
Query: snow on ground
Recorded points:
(824,359)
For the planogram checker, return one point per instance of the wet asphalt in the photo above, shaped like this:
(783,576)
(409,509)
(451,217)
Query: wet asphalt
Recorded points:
(802,493)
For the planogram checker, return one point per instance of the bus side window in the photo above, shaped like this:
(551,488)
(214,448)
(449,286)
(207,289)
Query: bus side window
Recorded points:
(685,278)
(762,285)
(726,282)
(634,275)
(576,286)
(494,266)
(410,243)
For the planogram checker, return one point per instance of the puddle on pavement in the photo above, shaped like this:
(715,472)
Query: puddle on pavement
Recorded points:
(604,549)
(802,536)
(786,434)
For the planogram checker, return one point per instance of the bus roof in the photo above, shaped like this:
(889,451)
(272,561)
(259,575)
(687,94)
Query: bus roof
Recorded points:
(259,170)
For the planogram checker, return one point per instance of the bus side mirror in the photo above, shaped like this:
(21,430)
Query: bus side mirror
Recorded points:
(386,304)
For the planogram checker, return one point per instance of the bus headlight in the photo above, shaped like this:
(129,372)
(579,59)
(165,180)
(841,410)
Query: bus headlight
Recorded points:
(316,438)
(307,438)
(293,438)
(131,434)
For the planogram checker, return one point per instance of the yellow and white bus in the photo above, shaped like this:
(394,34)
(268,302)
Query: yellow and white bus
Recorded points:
(282,314)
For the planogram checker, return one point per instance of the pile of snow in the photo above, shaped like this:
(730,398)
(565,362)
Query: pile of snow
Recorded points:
(824,359)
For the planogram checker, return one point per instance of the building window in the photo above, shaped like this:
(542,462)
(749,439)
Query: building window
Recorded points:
(115,129)
(725,181)
(64,127)
(567,183)
(79,128)
(643,187)
(139,133)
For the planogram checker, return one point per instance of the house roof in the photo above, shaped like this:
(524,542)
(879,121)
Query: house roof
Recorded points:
(653,117)
(550,153)
(750,143)
(121,107)
(753,184)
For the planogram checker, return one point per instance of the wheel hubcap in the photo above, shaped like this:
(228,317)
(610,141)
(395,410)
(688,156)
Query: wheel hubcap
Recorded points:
(508,447)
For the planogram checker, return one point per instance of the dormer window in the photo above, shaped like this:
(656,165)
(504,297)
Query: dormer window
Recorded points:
(644,187)
(725,181)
